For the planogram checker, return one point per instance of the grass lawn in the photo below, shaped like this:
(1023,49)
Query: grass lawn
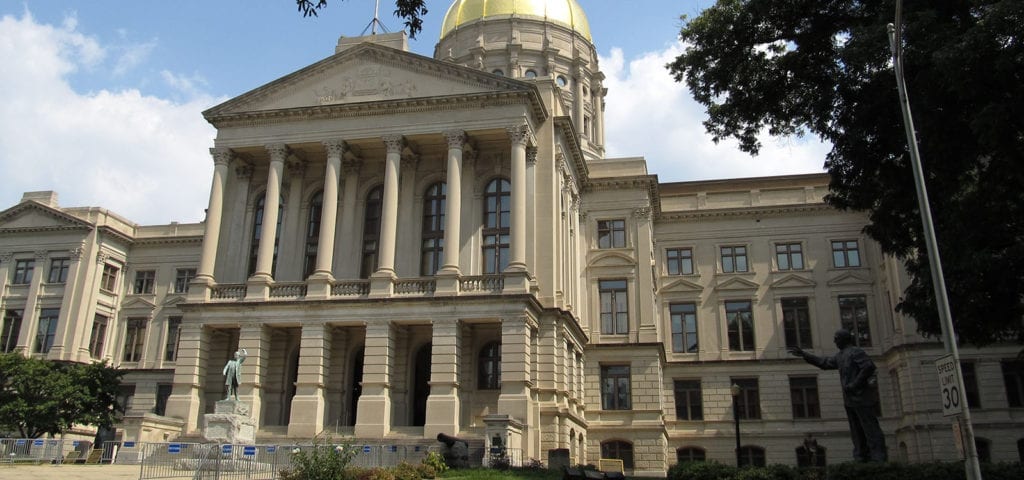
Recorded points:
(493,474)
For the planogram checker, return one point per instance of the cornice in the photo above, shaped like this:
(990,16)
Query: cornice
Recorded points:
(773,210)
(197,239)
(116,234)
(46,210)
(381,108)
(564,124)
(44,229)
(647,182)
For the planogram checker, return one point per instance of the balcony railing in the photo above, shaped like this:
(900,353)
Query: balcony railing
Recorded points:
(350,288)
(416,286)
(482,284)
(356,289)
(288,290)
(229,291)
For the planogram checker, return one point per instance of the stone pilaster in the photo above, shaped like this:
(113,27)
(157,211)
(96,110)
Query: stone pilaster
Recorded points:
(309,406)
(519,136)
(187,400)
(516,381)
(373,418)
(648,330)
(346,234)
(443,405)
(30,316)
(255,339)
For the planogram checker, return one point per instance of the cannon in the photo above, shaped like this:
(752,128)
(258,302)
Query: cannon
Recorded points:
(455,451)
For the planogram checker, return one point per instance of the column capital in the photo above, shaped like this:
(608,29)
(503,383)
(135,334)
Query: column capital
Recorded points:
(297,168)
(351,167)
(101,258)
(278,152)
(455,138)
(243,169)
(519,134)
(42,254)
(531,155)
(336,147)
(394,143)
(642,213)
(222,155)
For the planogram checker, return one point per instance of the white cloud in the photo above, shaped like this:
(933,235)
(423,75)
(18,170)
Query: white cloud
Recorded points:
(651,115)
(141,156)
(132,55)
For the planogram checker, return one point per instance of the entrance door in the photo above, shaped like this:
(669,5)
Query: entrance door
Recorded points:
(421,386)
(357,384)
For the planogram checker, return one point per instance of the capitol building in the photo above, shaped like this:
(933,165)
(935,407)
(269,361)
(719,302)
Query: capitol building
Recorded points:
(407,246)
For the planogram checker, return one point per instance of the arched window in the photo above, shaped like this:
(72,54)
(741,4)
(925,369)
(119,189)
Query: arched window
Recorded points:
(257,231)
(489,375)
(432,247)
(620,450)
(316,208)
(371,231)
(497,218)
(690,454)
(810,456)
(531,73)
(751,456)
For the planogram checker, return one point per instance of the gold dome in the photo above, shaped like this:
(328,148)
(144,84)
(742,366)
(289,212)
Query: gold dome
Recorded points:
(563,12)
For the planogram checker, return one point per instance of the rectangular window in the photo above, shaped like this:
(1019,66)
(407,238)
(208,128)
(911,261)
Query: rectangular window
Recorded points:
(10,332)
(853,315)
(144,280)
(740,320)
(897,391)
(970,384)
(684,327)
(796,321)
(734,259)
(23,271)
(614,307)
(615,387)
(679,261)
(109,279)
(845,253)
(163,392)
(182,278)
(803,392)
(748,402)
(47,329)
(58,270)
(173,336)
(135,337)
(611,234)
(688,400)
(1013,379)
(98,336)
(789,256)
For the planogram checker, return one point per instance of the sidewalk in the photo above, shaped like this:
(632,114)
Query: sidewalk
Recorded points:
(69,472)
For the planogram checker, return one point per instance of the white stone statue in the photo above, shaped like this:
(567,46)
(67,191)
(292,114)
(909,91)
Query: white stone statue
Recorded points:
(233,374)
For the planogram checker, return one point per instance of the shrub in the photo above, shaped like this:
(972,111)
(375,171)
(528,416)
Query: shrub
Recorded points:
(701,471)
(323,460)
(436,461)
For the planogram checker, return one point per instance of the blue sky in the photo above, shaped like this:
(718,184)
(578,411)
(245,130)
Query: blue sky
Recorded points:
(102,99)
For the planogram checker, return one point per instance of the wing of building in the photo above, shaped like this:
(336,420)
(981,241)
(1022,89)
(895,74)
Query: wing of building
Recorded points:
(408,246)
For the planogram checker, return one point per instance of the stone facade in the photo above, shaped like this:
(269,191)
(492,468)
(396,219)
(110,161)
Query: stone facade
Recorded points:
(452,253)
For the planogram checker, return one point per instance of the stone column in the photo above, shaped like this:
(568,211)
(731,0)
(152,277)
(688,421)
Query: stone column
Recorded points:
(648,330)
(381,282)
(30,315)
(187,400)
(271,206)
(581,100)
(520,137)
(373,416)
(211,235)
(255,339)
(516,345)
(320,280)
(70,344)
(531,208)
(309,406)
(598,92)
(350,268)
(407,242)
(443,405)
(453,201)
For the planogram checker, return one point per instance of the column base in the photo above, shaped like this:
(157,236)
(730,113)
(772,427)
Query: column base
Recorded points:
(199,289)
(307,416)
(258,288)
(382,284)
(373,417)
(442,415)
(318,286)
(447,281)
(516,280)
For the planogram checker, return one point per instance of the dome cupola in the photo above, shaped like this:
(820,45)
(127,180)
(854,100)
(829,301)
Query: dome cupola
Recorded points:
(562,12)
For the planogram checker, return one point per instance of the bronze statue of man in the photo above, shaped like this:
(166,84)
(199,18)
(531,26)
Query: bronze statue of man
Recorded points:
(860,388)
(233,374)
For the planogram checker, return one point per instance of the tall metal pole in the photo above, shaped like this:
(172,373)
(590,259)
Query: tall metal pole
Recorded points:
(736,419)
(971,465)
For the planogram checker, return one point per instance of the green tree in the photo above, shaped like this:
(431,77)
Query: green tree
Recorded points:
(824,67)
(39,397)
(410,10)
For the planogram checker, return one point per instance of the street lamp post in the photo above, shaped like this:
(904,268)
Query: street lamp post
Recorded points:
(735,389)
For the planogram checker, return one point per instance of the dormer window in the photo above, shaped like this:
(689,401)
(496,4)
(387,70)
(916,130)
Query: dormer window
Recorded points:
(531,73)
(561,81)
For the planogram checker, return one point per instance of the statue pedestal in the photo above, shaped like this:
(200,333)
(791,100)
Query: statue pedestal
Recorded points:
(230,423)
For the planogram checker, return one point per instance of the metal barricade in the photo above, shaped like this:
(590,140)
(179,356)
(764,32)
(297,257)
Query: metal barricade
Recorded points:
(36,450)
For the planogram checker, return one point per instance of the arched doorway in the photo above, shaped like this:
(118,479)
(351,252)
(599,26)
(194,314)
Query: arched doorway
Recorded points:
(421,386)
(357,384)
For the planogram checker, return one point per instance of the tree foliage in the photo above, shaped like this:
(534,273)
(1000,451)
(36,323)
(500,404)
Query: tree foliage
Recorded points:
(39,397)
(824,67)
(410,10)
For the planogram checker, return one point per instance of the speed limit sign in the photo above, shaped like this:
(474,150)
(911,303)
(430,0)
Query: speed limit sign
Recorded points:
(950,387)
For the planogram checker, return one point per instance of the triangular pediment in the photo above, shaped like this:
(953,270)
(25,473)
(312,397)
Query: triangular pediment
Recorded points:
(793,281)
(137,303)
(366,73)
(682,285)
(736,283)
(172,300)
(612,259)
(31,215)
(849,278)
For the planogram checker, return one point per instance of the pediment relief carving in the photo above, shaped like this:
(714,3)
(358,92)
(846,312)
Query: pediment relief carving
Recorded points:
(736,283)
(612,259)
(682,285)
(793,280)
(849,278)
